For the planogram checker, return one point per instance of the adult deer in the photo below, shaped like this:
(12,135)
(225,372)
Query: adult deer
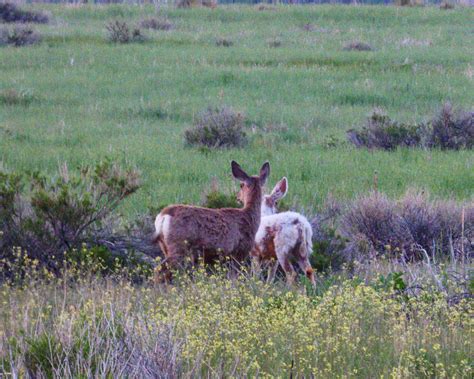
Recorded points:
(283,236)
(190,231)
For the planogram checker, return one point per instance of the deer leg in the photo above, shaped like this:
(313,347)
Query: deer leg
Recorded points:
(284,260)
(174,256)
(256,266)
(272,270)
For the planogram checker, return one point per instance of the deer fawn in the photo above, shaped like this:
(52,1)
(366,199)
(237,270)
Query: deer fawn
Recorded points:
(183,230)
(283,236)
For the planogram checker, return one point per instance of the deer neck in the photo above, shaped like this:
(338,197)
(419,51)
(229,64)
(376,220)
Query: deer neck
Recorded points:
(253,207)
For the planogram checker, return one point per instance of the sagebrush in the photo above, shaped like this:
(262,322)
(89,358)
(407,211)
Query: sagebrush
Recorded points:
(218,128)
(120,32)
(449,129)
(11,13)
(18,36)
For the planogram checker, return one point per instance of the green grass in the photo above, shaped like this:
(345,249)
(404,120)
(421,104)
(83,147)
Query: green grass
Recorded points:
(133,102)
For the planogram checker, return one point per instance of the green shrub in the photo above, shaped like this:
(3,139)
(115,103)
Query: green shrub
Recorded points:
(216,198)
(218,128)
(62,213)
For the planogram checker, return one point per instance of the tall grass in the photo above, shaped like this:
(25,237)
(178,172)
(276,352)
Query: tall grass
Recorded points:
(215,325)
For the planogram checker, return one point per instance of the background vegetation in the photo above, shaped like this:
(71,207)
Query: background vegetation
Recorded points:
(87,97)
(119,109)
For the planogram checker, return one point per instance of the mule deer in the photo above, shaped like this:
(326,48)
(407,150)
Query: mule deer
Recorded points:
(283,236)
(183,230)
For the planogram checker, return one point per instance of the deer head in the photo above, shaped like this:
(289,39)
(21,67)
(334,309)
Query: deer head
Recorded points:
(269,202)
(250,186)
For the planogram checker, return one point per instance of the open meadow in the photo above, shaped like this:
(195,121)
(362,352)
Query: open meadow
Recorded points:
(132,102)
(391,229)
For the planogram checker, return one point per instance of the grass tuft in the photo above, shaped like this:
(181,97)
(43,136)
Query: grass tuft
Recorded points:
(225,42)
(12,96)
(357,46)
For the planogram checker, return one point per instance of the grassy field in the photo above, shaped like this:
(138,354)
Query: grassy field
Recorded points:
(85,314)
(132,102)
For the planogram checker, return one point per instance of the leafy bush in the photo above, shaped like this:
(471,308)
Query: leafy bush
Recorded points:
(13,97)
(119,32)
(11,13)
(156,23)
(357,46)
(383,133)
(19,36)
(217,128)
(62,213)
(452,130)
(448,130)
(328,244)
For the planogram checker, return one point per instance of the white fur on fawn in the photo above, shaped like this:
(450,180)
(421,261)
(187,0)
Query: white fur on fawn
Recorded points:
(284,236)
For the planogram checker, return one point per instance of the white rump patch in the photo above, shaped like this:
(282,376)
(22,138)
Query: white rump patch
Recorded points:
(162,225)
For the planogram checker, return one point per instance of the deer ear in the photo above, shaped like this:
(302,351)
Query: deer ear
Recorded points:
(280,189)
(238,172)
(264,173)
